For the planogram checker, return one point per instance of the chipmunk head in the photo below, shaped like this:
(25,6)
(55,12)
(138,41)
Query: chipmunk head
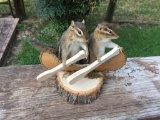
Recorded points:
(74,28)
(105,30)
(82,26)
(77,35)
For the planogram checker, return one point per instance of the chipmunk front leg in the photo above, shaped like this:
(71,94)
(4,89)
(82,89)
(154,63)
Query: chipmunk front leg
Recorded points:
(85,48)
(65,52)
(98,58)
(96,51)
(64,56)
(111,44)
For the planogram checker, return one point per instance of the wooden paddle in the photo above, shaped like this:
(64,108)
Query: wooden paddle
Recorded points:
(75,77)
(47,74)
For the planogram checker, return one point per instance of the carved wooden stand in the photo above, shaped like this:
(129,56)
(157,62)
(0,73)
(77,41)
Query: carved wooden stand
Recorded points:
(82,92)
(80,87)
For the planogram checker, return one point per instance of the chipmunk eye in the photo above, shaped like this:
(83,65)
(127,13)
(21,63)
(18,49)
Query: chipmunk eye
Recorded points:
(79,32)
(110,31)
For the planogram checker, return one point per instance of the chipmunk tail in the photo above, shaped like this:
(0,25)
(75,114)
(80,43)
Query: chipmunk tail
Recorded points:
(39,46)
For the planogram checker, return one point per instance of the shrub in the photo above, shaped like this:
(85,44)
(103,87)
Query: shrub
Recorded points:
(64,10)
(51,33)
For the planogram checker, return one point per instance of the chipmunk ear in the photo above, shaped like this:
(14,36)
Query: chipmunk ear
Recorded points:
(83,21)
(72,23)
(99,27)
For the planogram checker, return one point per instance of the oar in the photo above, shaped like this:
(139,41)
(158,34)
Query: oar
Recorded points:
(75,77)
(47,74)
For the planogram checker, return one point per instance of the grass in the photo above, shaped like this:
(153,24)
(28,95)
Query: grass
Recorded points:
(19,27)
(147,10)
(48,35)
(28,55)
(137,41)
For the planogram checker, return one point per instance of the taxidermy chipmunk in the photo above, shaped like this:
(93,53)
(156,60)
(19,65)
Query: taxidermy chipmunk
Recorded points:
(101,39)
(71,41)
(42,47)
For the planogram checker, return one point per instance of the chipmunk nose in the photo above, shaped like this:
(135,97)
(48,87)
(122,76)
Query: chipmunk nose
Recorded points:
(116,36)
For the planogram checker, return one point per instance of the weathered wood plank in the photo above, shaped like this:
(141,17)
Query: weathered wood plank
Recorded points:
(7,35)
(131,93)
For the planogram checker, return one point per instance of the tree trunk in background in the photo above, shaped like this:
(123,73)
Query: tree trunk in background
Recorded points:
(20,9)
(110,10)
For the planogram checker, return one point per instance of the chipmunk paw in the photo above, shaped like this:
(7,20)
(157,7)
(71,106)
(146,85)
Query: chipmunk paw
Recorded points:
(64,65)
(99,59)
(120,49)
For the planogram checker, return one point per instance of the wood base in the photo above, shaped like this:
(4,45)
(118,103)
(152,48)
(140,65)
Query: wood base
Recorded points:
(82,92)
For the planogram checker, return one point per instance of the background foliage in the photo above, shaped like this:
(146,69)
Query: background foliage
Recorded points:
(65,10)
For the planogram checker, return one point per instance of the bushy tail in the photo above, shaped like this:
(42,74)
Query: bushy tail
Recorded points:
(39,46)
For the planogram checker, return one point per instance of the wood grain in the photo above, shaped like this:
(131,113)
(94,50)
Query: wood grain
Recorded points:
(82,92)
(131,93)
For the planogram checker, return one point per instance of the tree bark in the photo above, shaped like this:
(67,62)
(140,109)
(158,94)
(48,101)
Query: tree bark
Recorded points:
(110,10)
(20,9)
(78,93)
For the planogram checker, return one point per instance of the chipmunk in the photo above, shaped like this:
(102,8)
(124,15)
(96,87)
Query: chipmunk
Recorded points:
(71,41)
(101,39)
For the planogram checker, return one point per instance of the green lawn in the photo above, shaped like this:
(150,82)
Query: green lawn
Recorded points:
(147,10)
(28,55)
(140,41)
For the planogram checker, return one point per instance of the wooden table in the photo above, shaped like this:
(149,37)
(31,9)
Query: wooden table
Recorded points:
(7,35)
(131,93)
